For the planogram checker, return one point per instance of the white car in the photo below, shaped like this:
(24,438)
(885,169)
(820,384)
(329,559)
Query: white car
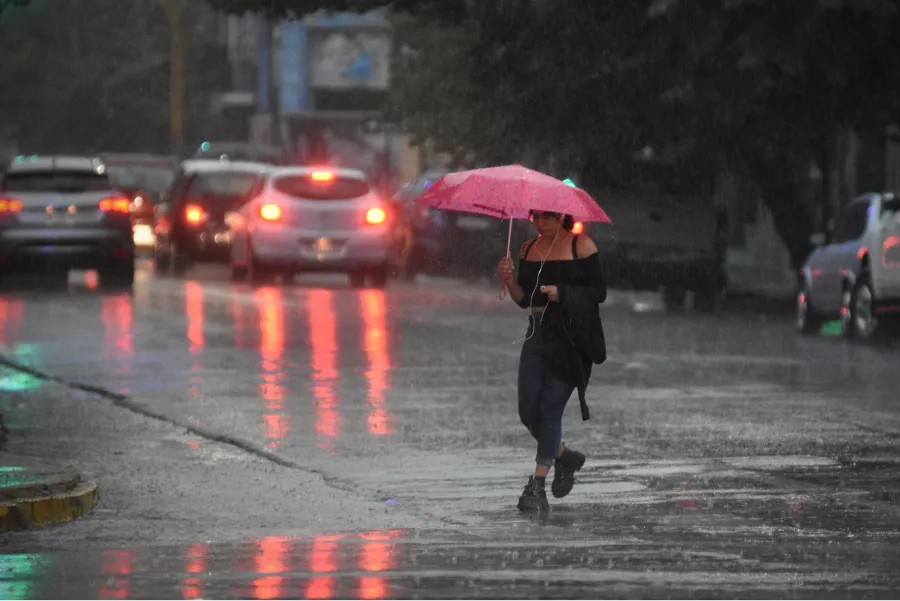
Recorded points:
(856,277)
(306,219)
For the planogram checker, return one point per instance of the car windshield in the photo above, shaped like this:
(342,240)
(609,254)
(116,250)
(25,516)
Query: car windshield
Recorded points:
(223,184)
(56,181)
(335,188)
(153,178)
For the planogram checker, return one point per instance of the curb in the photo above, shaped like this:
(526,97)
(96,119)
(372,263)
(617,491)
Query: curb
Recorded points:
(21,514)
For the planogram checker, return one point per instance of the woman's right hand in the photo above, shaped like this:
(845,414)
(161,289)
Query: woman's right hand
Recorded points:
(505,268)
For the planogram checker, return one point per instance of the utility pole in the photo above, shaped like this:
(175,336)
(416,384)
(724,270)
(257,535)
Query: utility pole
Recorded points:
(173,10)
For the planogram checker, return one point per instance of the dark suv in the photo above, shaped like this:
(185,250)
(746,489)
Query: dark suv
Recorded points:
(193,219)
(59,213)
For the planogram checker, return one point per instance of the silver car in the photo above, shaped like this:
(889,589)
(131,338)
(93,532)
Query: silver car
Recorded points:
(304,219)
(63,213)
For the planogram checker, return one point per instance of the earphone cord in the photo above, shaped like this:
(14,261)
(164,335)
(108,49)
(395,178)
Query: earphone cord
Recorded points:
(537,283)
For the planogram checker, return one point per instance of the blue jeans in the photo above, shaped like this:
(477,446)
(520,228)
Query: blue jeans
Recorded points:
(542,397)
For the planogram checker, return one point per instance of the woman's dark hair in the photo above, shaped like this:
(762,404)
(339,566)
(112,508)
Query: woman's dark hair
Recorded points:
(568,222)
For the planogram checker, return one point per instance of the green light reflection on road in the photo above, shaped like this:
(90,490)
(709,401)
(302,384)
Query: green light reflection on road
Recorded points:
(17,574)
(16,381)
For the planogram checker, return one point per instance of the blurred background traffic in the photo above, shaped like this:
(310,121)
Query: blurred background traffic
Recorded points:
(724,161)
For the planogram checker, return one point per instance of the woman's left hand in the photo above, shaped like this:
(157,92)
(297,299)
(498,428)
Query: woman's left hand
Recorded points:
(551,292)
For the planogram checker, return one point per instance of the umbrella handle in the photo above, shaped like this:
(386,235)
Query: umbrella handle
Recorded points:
(508,244)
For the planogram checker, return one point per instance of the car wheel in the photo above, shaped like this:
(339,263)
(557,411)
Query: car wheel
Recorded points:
(238,274)
(257,271)
(357,279)
(858,320)
(673,297)
(808,321)
(379,277)
(161,264)
(117,275)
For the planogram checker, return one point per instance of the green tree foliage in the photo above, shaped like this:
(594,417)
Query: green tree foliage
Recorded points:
(95,74)
(752,86)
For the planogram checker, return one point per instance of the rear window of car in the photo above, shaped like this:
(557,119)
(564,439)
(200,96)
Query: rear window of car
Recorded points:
(304,186)
(223,183)
(56,181)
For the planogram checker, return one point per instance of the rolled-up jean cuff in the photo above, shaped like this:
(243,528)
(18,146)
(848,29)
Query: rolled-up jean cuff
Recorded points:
(544,461)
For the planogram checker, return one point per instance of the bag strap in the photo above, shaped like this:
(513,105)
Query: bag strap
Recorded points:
(574,247)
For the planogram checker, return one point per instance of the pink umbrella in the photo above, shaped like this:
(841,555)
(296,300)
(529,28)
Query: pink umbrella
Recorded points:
(510,192)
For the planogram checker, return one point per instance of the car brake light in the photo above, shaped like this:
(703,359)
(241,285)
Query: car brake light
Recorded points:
(195,215)
(322,176)
(376,216)
(578,228)
(270,212)
(10,205)
(115,204)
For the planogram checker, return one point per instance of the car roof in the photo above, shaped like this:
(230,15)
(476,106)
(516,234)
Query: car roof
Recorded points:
(340,172)
(55,162)
(217,165)
(137,158)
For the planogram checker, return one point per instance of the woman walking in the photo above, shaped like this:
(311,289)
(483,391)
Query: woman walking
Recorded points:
(561,283)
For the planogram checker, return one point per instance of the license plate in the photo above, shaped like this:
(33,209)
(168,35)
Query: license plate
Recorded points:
(323,246)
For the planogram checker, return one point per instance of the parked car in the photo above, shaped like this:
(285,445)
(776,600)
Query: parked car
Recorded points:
(192,221)
(61,213)
(855,277)
(307,219)
(143,178)
(448,243)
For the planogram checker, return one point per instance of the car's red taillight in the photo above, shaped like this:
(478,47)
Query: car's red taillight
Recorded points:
(115,204)
(376,216)
(10,205)
(270,212)
(194,214)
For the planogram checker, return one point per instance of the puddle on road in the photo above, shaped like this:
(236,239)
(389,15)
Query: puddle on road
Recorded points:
(776,462)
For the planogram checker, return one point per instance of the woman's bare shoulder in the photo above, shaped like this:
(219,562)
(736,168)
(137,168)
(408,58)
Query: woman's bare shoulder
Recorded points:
(523,251)
(585,246)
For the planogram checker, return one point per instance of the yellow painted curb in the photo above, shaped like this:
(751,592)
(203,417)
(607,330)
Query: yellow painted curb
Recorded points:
(38,511)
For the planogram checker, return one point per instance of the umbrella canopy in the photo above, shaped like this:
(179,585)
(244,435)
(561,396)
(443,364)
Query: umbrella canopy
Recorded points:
(510,192)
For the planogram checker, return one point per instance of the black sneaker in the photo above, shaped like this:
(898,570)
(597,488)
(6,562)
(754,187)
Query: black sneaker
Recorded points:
(564,470)
(534,498)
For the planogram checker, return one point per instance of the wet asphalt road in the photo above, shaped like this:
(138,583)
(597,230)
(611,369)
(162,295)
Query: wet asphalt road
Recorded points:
(314,441)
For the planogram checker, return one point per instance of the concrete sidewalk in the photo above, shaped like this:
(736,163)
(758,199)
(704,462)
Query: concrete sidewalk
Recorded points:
(34,493)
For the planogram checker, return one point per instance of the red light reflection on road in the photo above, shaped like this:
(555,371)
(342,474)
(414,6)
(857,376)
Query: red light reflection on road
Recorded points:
(376,347)
(273,558)
(12,313)
(270,303)
(115,563)
(193,308)
(322,560)
(323,361)
(237,315)
(194,563)
(117,315)
(377,555)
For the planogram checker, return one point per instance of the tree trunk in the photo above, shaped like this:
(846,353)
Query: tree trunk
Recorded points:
(782,195)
